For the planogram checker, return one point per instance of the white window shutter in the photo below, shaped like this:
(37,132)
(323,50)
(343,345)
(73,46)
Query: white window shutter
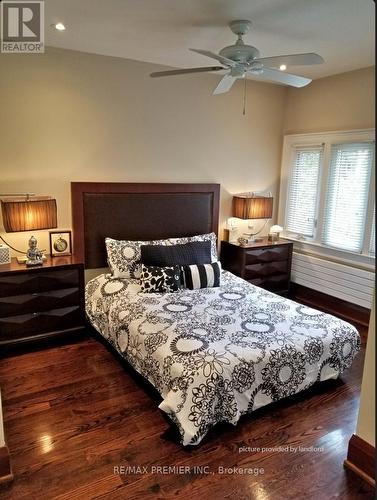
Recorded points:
(303,190)
(347,195)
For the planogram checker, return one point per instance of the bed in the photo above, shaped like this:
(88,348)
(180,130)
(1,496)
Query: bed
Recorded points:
(213,354)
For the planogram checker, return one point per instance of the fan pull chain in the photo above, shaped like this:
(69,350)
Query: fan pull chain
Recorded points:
(244,97)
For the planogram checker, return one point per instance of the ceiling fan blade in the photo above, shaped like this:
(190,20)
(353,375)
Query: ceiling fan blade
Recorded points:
(225,84)
(291,60)
(208,53)
(185,71)
(275,75)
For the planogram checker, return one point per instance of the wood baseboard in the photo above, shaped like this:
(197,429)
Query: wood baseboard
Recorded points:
(361,459)
(5,468)
(338,307)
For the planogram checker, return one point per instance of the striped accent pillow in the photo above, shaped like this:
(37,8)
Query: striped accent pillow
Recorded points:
(201,275)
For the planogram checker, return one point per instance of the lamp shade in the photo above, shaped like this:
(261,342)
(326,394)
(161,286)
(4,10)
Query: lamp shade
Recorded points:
(252,207)
(30,214)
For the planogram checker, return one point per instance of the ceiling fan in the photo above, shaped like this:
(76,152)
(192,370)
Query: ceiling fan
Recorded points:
(240,59)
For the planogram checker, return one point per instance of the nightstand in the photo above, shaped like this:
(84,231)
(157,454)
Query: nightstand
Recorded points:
(264,264)
(41,302)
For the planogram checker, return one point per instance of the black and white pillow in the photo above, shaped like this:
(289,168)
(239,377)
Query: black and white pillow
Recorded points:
(123,256)
(156,279)
(202,275)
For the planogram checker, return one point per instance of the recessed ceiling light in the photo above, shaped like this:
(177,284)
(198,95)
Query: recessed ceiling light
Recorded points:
(59,26)
(283,67)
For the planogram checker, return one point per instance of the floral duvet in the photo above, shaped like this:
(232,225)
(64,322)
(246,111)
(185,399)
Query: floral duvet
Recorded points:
(217,353)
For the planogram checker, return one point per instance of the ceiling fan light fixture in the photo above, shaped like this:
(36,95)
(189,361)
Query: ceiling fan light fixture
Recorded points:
(238,72)
(59,26)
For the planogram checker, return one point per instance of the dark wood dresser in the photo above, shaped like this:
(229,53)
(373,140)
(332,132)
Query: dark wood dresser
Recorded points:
(264,264)
(41,302)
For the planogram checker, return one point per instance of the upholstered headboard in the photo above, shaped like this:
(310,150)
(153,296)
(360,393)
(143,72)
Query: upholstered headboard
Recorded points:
(138,212)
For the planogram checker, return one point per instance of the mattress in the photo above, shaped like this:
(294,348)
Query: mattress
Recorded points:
(217,353)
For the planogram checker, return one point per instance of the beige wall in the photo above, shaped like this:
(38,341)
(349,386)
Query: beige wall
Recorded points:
(367,416)
(340,102)
(70,116)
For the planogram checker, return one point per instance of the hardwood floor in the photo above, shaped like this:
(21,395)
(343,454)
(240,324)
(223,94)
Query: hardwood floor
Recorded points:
(74,412)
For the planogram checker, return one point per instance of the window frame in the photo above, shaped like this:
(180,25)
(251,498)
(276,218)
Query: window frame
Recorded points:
(327,139)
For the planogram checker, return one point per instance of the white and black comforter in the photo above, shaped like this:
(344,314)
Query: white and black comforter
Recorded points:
(217,353)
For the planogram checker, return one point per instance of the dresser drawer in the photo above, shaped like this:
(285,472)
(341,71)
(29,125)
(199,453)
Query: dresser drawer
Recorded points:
(273,283)
(271,254)
(262,263)
(14,327)
(268,269)
(35,282)
(39,301)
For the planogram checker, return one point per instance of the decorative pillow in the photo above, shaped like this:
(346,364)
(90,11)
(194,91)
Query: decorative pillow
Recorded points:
(200,237)
(202,275)
(123,256)
(195,252)
(160,279)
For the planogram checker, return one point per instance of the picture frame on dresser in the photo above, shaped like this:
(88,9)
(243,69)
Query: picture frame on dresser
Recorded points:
(60,243)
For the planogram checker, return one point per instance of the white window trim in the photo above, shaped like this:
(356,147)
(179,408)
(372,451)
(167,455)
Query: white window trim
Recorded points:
(327,138)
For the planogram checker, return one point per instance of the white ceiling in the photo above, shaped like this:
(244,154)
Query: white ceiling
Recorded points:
(161,31)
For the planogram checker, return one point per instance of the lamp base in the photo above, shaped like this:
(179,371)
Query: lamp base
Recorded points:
(246,239)
(252,238)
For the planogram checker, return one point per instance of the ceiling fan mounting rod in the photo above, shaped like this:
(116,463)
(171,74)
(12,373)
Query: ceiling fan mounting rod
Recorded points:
(240,40)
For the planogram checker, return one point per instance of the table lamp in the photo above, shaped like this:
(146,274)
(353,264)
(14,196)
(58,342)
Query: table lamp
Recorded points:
(27,212)
(250,206)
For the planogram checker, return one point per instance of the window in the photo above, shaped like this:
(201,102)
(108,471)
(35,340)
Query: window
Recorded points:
(347,195)
(303,190)
(327,191)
